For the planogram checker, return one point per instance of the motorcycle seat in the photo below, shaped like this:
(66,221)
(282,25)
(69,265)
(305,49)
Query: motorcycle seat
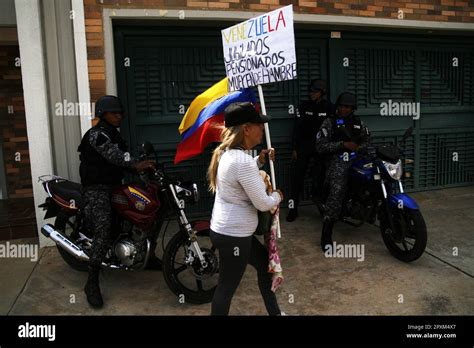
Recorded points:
(66,190)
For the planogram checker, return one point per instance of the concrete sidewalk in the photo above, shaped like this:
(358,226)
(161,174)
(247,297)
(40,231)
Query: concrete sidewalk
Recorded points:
(438,283)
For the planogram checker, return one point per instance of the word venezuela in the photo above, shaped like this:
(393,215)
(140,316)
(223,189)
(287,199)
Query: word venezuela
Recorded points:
(254,53)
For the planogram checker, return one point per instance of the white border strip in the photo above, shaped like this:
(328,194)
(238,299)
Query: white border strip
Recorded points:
(109,56)
(82,70)
(35,92)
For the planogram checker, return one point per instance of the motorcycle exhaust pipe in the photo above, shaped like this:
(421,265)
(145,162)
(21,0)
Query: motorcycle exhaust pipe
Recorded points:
(50,232)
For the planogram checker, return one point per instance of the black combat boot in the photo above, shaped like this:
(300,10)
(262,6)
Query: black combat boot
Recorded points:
(292,214)
(92,290)
(326,235)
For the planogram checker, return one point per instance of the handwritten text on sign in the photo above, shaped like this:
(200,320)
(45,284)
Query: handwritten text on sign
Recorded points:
(260,50)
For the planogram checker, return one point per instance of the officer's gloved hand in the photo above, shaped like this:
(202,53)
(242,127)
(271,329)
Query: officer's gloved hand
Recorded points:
(350,145)
(145,165)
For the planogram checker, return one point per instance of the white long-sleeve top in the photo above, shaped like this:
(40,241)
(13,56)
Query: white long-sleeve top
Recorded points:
(240,193)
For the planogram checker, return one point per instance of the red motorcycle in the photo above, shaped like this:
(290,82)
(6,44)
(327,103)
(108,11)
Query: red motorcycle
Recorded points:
(190,262)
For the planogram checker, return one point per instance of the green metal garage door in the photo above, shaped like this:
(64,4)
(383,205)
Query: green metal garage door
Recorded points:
(411,70)
(170,65)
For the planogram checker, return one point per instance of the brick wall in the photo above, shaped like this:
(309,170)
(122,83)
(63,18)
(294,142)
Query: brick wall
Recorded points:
(13,125)
(430,10)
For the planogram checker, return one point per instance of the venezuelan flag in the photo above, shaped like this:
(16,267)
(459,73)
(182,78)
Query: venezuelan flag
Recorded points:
(201,123)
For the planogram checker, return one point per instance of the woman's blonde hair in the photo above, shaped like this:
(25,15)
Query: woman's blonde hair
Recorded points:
(230,137)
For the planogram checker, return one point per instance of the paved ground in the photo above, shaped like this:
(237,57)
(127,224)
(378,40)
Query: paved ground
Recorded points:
(438,283)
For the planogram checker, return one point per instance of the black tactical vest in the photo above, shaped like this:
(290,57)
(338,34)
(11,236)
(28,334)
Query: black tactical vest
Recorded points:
(312,116)
(95,169)
(347,129)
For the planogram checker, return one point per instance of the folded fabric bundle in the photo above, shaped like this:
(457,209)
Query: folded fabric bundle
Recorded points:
(270,236)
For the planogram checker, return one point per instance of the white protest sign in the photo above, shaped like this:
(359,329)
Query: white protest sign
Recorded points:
(260,50)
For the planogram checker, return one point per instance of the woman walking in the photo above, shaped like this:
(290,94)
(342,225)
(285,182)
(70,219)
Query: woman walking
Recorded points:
(240,191)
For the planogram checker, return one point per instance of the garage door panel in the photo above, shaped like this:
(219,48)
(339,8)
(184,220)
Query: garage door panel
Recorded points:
(376,75)
(447,77)
(446,120)
(165,134)
(447,159)
(377,123)
(166,79)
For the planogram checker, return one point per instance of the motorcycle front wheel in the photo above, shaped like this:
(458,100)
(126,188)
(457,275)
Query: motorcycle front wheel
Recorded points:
(407,241)
(184,273)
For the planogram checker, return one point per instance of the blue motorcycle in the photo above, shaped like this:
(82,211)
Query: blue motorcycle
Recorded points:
(375,192)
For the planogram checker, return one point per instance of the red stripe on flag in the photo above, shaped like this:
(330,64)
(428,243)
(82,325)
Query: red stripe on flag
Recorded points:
(209,132)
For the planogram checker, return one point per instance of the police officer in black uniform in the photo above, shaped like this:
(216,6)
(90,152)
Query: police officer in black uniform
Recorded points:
(104,158)
(309,117)
(340,137)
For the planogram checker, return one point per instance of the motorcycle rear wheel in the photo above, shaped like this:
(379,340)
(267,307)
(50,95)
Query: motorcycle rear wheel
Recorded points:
(415,234)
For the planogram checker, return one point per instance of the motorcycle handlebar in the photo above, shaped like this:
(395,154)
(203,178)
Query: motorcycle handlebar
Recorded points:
(369,150)
(372,151)
(158,174)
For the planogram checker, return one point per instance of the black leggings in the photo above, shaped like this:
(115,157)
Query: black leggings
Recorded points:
(234,255)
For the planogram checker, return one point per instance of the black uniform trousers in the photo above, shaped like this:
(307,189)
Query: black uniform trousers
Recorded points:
(98,220)
(300,167)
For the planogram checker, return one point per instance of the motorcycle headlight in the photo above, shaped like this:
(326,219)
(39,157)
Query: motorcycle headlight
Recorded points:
(394,170)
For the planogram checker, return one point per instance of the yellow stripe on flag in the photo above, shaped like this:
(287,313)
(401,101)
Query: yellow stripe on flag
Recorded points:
(200,102)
